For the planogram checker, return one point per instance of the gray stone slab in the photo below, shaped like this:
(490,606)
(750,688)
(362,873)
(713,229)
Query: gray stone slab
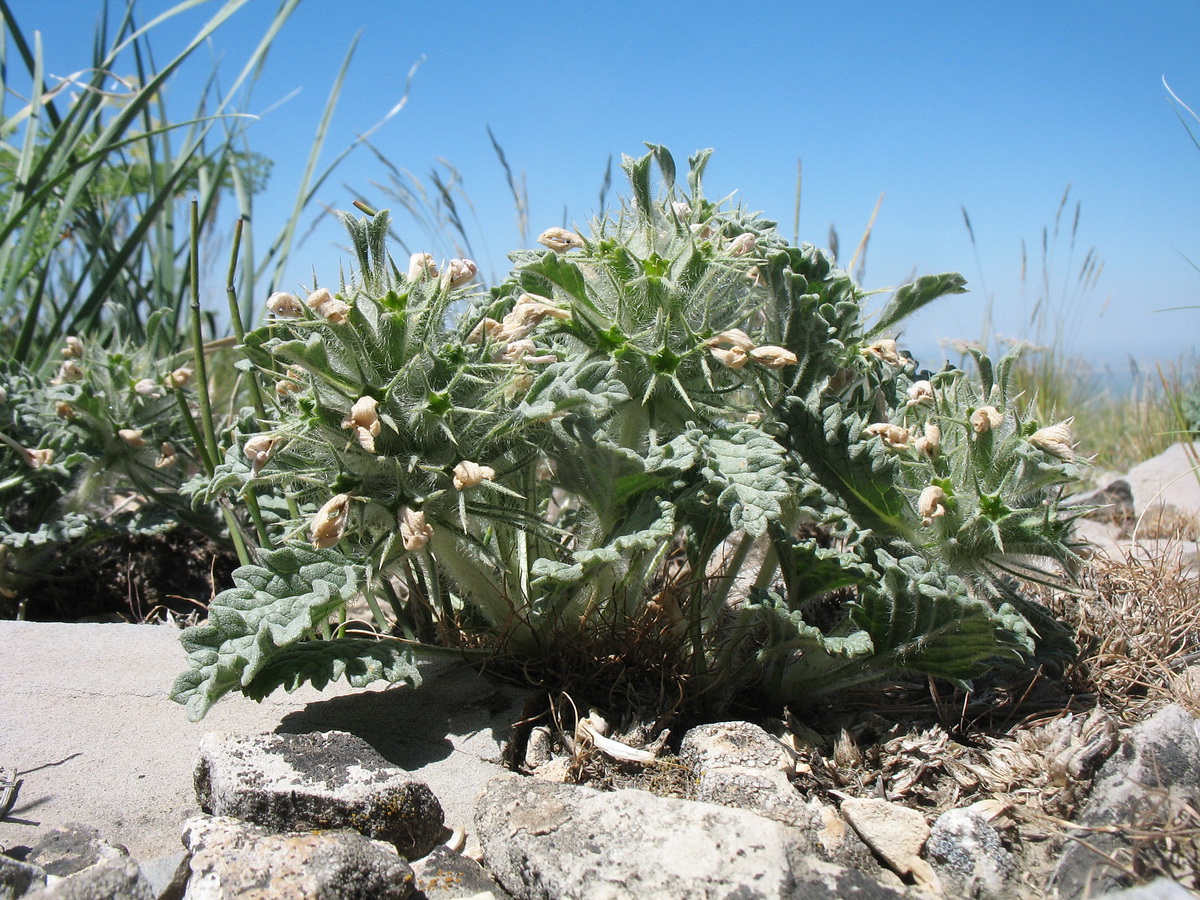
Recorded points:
(86,721)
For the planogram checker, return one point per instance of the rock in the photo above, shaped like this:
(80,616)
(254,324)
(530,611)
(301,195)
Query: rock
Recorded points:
(543,840)
(446,875)
(540,748)
(167,875)
(296,782)
(739,764)
(1113,503)
(1167,480)
(118,878)
(18,878)
(72,848)
(1159,889)
(968,857)
(1158,763)
(236,859)
(895,832)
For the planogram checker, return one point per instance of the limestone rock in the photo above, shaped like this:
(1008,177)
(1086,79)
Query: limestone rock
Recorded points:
(1166,480)
(1158,889)
(895,832)
(968,857)
(72,848)
(18,878)
(544,840)
(446,875)
(739,764)
(1158,763)
(167,875)
(294,782)
(116,878)
(236,859)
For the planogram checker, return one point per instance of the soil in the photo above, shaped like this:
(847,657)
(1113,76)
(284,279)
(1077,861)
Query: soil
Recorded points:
(130,578)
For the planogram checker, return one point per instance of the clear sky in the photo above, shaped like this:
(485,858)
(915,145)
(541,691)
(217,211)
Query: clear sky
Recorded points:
(995,107)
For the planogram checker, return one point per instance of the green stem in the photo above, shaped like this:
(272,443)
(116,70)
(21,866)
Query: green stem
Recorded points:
(209,446)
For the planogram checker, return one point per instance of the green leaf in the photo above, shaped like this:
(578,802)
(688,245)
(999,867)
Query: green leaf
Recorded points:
(911,297)
(359,661)
(749,466)
(274,606)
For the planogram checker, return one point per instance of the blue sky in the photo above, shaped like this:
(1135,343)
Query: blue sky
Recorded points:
(995,107)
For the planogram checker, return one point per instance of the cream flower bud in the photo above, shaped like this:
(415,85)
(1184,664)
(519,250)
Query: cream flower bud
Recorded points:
(68,371)
(1055,439)
(132,437)
(74,348)
(64,410)
(258,451)
(930,442)
(734,357)
(327,306)
(459,272)
(166,456)
(39,458)
(920,392)
(735,337)
(146,388)
(681,208)
(415,532)
(285,305)
(931,504)
(985,419)
(178,377)
(329,523)
(773,357)
(468,474)
(885,351)
(560,240)
(421,265)
(364,420)
(743,244)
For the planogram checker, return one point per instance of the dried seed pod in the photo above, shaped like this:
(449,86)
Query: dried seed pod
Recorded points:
(560,240)
(329,524)
(285,305)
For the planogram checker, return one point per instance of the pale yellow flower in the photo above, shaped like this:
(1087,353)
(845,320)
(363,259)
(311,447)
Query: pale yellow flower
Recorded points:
(485,330)
(468,474)
(985,419)
(517,385)
(415,532)
(885,351)
(734,357)
(560,240)
(146,388)
(39,458)
(931,504)
(459,272)
(734,337)
(285,305)
(328,306)
(894,436)
(364,420)
(743,245)
(930,442)
(74,348)
(920,392)
(132,437)
(1055,439)
(329,523)
(773,357)
(67,372)
(258,450)
(681,208)
(166,456)
(64,410)
(179,377)
(421,265)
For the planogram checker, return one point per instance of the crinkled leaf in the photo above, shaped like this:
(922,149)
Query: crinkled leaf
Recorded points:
(316,662)
(911,297)
(274,606)
(749,466)
(69,527)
